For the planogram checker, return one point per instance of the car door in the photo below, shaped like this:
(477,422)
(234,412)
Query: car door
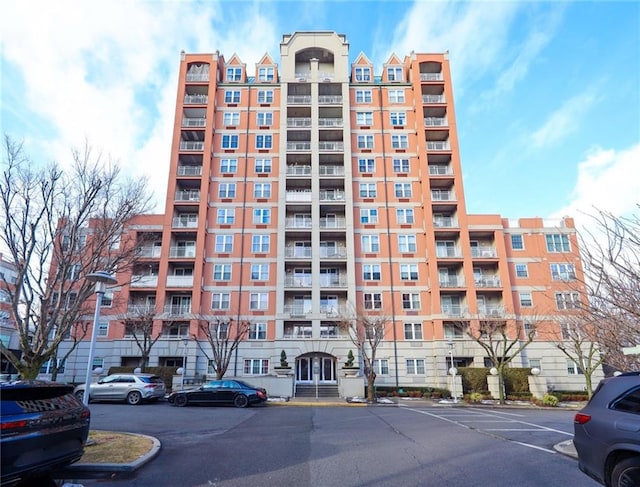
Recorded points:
(226,392)
(122,387)
(104,389)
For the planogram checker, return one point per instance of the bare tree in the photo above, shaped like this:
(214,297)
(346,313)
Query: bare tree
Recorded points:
(60,225)
(366,330)
(223,334)
(139,322)
(502,340)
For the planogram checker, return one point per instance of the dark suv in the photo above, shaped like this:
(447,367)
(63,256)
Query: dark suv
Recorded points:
(44,427)
(607,432)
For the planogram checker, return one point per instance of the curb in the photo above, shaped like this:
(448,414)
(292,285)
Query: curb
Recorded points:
(566,448)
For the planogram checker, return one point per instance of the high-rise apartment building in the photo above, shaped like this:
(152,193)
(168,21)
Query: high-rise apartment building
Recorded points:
(304,191)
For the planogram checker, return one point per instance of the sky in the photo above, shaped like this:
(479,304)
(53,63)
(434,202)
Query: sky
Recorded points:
(547,94)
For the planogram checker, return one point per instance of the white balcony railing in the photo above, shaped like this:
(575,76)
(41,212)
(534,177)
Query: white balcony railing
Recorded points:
(177,252)
(298,252)
(144,281)
(189,170)
(178,309)
(180,281)
(140,309)
(194,122)
(435,122)
(491,310)
(293,170)
(188,195)
(442,195)
(184,223)
(303,196)
(438,145)
(330,122)
(197,76)
(338,222)
(191,145)
(297,222)
(333,280)
(333,253)
(297,281)
(299,122)
(431,77)
(439,170)
(297,309)
(331,195)
(451,282)
(488,282)
(448,252)
(329,99)
(149,251)
(433,99)
(445,222)
(196,99)
(331,146)
(454,310)
(299,146)
(299,99)
(331,170)
(484,251)
(303,76)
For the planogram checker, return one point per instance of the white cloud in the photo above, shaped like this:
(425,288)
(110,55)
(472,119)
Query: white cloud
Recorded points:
(608,180)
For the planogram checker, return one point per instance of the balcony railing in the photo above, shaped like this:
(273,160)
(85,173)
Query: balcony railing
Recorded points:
(325,76)
(488,282)
(298,335)
(298,252)
(297,309)
(297,281)
(144,281)
(194,122)
(484,251)
(140,309)
(149,251)
(454,310)
(445,222)
(331,146)
(183,223)
(299,146)
(178,309)
(331,170)
(329,99)
(451,282)
(189,170)
(331,195)
(433,99)
(196,99)
(303,196)
(293,170)
(188,195)
(299,99)
(333,222)
(442,195)
(333,281)
(448,252)
(333,311)
(330,122)
(299,122)
(438,145)
(191,145)
(197,76)
(489,310)
(306,76)
(333,253)
(180,281)
(435,122)
(293,222)
(431,77)
(436,170)
(177,252)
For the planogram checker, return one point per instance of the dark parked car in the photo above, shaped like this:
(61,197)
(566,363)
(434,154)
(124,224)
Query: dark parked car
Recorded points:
(133,388)
(607,432)
(231,392)
(44,427)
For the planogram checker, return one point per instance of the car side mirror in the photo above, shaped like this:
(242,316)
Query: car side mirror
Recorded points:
(100,381)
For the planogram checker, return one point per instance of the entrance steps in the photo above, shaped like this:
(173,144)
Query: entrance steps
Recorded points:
(324,390)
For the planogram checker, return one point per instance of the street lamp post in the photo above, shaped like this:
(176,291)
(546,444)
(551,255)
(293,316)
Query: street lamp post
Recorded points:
(100,278)
(185,341)
(453,371)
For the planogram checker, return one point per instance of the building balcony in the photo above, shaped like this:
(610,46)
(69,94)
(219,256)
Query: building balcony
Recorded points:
(333,252)
(330,122)
(325,76)
(333,280)
(442,195)
(331,333)
(331,170)
(299,146)
(299,99)
(297,310)
(191,145)
(329,99)
(494,311)
(179,281)
(331,146)
(454,310)
(178,309)
(436,170)
(435,122)
(295,170)
(300,196)
(331,195)
(196,99)
(433,99)
(144,281)
(437,145)
(140,309)
(445,222)
(484,251)
(451,282)
(184,223)
(448,252)
(339,222)
(151,251)
(303,76)
(297,222)
(182,252)
(194,122)
(188,195)
(294,252)
(297,334)
(298,281)
(485,282)
(189,170)
(197,77)
(299,122)
(333,311)
(431,77)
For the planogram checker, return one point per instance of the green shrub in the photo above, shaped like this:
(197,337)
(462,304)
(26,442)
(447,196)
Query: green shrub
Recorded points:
(516,379)
(550,400)
(474,379)
(476,397)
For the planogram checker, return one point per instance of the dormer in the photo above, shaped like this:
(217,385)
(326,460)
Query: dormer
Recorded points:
(362,70)
(235,71)
(394,71)
(266,70)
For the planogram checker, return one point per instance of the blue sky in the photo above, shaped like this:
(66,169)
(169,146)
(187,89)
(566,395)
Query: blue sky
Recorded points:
(546,93)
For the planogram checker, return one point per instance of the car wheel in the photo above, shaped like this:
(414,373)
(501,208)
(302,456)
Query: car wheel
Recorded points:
(626,473)
(80,395)
(180,401)
(241,401)
(134,398)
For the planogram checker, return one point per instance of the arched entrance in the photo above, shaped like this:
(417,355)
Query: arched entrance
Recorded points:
(316,368)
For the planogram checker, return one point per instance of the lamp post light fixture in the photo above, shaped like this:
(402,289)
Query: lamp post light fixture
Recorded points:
(100,278)
(453,372)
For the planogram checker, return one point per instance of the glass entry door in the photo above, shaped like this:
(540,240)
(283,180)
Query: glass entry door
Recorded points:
(312,368)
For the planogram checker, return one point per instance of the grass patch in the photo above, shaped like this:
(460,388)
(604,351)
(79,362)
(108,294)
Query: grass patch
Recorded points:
(110,447)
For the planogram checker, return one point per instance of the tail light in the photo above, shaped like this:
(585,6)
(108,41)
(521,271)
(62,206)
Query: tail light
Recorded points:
(581,418)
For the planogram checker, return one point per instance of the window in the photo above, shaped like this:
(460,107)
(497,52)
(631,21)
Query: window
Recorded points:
(395,73)
(368,216)
(264,141)
(567,300)
(265,74)
(413,331)
(258,331)
(226,216)
(399,141)
(265,96)
(230,141)
(372,300)
(409,272)
(262,190)
(529,329)
(107,300)
(558,243)
(103,329)
(522,270)
(263,166)
(367,165)
(415,366)
(370,243)
(403,190)
(227,190)
(517,243)
(567,331)
(535,363)
(264,118)
(363,74)
(365,141)
(526,301)
(260,272)
(258,301)
(260,244)
(367,190)
(364,118)
(256,366)
(401,165)
(630,402)
(73,272)
(573,368)
(381,366)
(363,96)
(222,272)
(398,118)
(234,74)
(406,243)
(232,96)
(261,216)
(396,96)
(371,272)
(404,215)
(410,301)
(228,165)
(220,300)
(563,272)
(224,244)
(453,331)
(231,118)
